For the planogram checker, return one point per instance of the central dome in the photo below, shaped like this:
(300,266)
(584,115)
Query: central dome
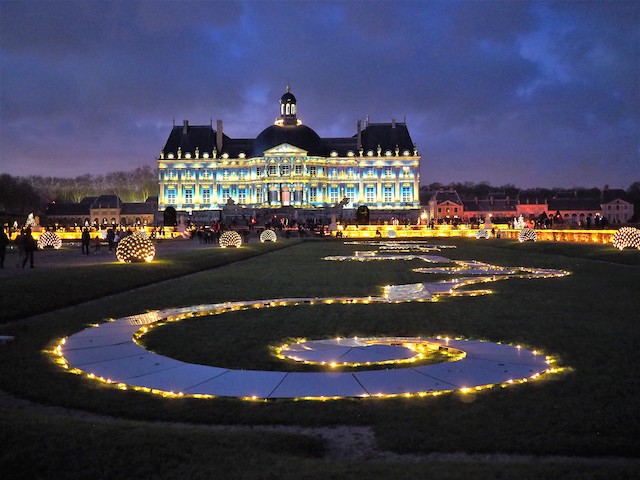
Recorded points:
(299,136)
(288,129)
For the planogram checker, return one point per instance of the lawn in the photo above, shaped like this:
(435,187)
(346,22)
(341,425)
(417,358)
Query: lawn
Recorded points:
(588,319)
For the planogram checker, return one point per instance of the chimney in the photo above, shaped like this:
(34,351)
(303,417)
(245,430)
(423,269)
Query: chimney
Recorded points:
(359,135)
(185,127)
(219,136)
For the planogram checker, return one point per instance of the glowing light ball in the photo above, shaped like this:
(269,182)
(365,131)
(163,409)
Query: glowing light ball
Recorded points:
(136,247)
(627,237)
(482,233)
(392,234)
(230,238)
(49,239)
(268,236)
(527,235)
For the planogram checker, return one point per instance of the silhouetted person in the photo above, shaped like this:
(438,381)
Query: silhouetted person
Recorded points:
(29,247)
(85,240)
(111,236)
(4,241)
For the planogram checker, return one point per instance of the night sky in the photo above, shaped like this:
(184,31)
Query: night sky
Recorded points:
(528,93)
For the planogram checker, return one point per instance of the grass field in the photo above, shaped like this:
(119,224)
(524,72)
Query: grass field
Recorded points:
(588,319)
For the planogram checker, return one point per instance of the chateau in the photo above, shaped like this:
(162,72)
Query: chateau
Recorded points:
(289,168)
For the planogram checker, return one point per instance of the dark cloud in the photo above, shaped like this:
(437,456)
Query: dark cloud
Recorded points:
(531,93)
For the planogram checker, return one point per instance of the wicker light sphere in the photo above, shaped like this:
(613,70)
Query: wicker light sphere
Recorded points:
(482,233)
(392,234)
(527,235)
(268,236)
(230,238)
(136,247)
(49,239)
(627,237)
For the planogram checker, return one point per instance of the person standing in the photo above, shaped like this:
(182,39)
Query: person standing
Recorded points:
(97,241)
(4,241)
(20,247)
(29,247)
(85,240)
(111,236)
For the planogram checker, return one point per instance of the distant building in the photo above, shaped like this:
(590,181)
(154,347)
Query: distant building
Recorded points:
(616,205)
(102,210)
(495,207)
(445,206)
(570,209)
(288,166)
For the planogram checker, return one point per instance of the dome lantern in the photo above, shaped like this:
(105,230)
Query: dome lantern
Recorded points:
(288,108)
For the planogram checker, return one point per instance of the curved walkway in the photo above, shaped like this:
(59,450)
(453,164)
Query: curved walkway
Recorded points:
(109,352)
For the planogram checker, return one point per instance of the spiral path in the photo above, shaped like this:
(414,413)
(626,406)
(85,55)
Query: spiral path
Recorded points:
(109,352)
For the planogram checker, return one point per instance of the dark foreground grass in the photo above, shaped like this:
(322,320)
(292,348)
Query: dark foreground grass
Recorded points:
(46,290)
(42,447)
(588,319)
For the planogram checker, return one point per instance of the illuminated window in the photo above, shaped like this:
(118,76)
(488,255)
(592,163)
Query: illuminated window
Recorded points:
(241,173)
(206,195)
(297,169)
(284,170)
(313,171)
(205,174)
(388,171)
(225,195)
(333,194)
(273,170)
(258,172)
(171,196)
(406,195)
(387,194)
(225,174)
(242,196)
(188,195)
(370,172)
(350,193)
(313,194)
(370,194)
(350,172)
(333,173)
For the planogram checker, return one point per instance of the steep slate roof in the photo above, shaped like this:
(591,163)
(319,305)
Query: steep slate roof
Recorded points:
(68,209)
(609,195)
(532,197)
(107,201)
(441,197)
(137,208)
(197,136)
(374,135)
(574,204)
(487,205)
(387,137)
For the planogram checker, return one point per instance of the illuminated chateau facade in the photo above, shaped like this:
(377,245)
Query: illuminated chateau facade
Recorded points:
(289,165)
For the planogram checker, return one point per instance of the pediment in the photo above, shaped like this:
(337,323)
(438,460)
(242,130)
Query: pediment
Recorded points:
(285,148)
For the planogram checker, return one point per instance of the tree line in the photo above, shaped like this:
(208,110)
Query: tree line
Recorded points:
(22,195)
